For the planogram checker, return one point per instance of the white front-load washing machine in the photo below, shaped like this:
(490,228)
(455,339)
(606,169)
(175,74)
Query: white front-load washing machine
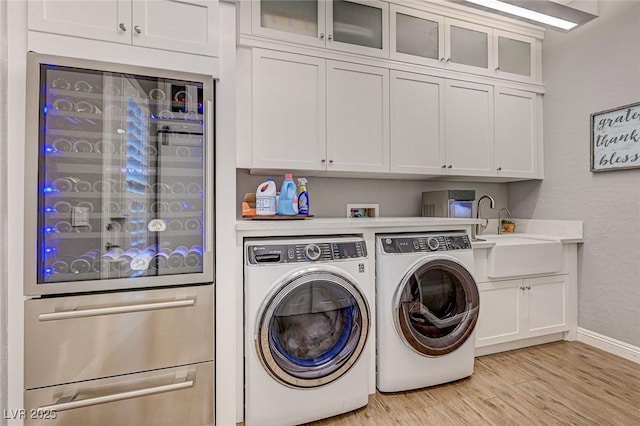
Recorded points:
(427,308)
(306,329)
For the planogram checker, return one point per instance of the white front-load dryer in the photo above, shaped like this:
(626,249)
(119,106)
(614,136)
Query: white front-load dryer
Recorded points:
(427,305)
(306,329)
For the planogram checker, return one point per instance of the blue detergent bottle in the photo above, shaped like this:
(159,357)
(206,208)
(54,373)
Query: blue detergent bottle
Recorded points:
(288,202)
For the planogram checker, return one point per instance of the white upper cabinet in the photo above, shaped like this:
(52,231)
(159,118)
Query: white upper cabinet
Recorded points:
(356,26)
(288,110)
(103,20)
(417,123)
(312,114)
(424,38)
(469,129)
(178,25)
(516,135)
(188,26)
(357,117)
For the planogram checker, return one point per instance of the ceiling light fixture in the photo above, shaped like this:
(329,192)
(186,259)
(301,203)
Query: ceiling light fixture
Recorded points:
(545,12)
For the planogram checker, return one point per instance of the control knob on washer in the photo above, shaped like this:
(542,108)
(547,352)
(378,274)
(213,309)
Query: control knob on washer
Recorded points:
(433,244)
(312,251)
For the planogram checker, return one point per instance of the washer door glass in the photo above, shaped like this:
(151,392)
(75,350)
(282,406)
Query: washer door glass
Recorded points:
(313,329)
(437,307)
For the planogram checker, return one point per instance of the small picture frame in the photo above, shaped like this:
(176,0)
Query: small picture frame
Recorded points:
(362,211)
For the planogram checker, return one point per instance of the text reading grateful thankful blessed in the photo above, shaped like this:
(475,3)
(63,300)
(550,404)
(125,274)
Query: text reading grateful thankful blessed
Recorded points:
(616,138)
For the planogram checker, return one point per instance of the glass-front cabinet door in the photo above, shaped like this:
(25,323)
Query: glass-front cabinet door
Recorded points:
(121,178)
(358,26)
(349,25)
(416,36)
(469,47)
(300,21)
(515,56)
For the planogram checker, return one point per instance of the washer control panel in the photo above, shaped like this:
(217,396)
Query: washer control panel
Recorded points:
(258,253)
(424,243)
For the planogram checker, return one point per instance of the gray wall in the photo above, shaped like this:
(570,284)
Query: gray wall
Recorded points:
(591,69)
(3,208)
(397,198)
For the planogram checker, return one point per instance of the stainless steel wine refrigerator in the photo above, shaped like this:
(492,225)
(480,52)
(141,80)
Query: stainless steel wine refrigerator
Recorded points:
(118,244)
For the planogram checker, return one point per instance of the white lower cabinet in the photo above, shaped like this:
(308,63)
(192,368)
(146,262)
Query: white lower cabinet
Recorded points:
(522,308)
(310,113)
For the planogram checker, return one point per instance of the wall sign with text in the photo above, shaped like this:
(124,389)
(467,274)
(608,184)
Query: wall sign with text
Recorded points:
(615,139)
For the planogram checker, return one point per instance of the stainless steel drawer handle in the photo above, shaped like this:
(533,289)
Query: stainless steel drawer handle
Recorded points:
(54,316)
(115,397)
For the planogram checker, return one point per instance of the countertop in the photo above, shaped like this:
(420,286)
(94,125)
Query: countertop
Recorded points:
(565,231)
(345,224)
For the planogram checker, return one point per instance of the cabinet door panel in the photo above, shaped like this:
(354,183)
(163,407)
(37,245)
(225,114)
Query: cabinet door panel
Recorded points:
(288,111)
(300,21)
(546,299)
(500,312)
(469,128)
(358,117)
(417,123)
(469,47)
(416,36)
(98,20)
(515,133)
(515,56)
(182,26)
(358,26)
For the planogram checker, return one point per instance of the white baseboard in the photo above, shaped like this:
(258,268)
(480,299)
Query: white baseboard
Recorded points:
(616,347)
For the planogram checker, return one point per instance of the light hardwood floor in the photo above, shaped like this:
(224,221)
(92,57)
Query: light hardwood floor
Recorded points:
(555,384)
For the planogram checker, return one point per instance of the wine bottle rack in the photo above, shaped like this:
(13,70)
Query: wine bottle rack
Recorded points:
(121,176)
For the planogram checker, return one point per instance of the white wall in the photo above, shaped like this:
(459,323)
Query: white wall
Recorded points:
(591,69)
(3,209)
(397,198)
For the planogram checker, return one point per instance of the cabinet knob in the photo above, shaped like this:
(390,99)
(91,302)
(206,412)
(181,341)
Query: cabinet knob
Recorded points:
(122,26)
(330,161)
(528,287)
(321,36)
(137,29)
(330,37)
(441,59)
(521,288)
(497,68)
(499,168)
(444,166)
(450,166)
(323,161)
(448,59)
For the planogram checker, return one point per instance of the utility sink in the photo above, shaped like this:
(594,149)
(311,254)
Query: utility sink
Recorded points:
(515,255)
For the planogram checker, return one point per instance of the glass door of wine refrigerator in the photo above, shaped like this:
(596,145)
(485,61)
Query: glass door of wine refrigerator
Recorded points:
(119,164)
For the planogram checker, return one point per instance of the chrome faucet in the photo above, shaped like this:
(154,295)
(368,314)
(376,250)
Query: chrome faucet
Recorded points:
(482,226)
(500,218)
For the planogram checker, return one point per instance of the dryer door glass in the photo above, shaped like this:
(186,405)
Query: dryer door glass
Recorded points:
(437,307)
(313,329)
